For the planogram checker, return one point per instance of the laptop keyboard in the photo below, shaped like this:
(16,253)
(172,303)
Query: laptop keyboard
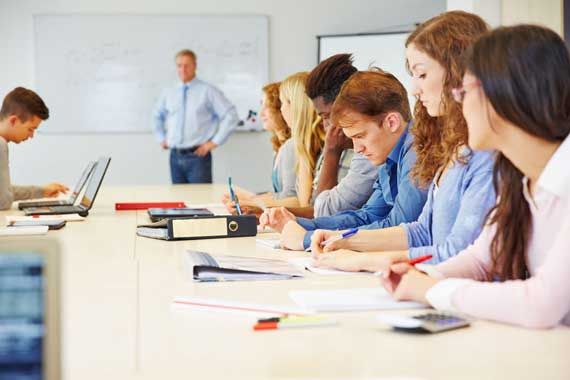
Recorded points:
(64,208)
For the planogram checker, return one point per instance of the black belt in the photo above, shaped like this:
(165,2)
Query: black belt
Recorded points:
(185,150)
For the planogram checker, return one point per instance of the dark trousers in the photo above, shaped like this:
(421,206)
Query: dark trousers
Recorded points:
(186,167)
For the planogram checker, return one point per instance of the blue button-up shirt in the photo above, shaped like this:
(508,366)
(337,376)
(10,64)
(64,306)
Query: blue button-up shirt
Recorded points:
(394,200)
(207,115)
(453,218)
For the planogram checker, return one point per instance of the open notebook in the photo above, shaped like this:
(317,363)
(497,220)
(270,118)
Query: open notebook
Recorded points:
(205,267)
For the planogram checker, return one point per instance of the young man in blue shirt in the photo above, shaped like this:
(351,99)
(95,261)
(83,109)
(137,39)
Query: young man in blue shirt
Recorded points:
(192,119)
(395,199)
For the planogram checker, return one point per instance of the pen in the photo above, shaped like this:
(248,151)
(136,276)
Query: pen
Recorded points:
(233,196)
(344,235)
(412,262)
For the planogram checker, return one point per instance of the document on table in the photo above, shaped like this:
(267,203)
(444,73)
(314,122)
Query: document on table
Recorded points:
(307,264)
(274,243)
(232,306)
(358,299)
(66,217)
(24,230)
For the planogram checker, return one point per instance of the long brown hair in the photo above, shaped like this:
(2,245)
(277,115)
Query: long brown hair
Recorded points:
(282,131)
(524,72)
(436,139)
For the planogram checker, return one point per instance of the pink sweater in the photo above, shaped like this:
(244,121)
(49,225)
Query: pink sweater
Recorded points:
(541,301)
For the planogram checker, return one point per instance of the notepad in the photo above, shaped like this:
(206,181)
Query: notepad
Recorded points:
(274,243)
(307,264)
(358,299)
(24,230)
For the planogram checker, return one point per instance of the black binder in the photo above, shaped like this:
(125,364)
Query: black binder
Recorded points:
(204,227)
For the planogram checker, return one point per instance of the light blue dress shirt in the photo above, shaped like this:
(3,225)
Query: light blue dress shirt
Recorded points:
(188,115)
(394,200)
(453,217)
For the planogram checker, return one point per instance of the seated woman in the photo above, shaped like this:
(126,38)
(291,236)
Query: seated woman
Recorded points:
(516,99)
(307,137)
(461,187)
(283,174)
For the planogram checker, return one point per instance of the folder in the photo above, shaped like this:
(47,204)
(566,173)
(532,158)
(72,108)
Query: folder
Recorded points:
(205,227)
(207,268)
(126,206)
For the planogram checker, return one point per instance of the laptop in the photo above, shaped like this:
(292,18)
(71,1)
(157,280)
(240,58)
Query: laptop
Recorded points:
(30,309)
(62,202)
(88,197)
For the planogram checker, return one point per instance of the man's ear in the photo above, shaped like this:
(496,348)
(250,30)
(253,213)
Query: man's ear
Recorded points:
(12,120)
(393,121)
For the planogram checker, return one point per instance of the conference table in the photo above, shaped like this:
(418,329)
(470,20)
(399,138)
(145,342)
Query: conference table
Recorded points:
(118,321)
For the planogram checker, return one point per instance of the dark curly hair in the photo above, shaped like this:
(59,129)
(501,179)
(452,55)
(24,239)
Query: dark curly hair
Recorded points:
(328,77)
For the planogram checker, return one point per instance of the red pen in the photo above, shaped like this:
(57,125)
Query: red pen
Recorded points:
(412,262)
(420,259)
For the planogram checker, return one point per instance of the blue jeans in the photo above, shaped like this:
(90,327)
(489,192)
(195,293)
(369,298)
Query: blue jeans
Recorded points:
(189,168)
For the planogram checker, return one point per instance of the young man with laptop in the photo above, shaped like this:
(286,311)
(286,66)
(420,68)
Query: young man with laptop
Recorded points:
(21,114)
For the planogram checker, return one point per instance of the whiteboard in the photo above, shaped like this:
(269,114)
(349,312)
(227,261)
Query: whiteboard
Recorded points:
(104,73)
(384,50)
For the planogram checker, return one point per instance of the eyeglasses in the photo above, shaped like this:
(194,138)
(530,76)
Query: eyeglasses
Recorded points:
(459,92)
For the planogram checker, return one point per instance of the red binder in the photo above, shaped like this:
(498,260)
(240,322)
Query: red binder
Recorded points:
(125,206)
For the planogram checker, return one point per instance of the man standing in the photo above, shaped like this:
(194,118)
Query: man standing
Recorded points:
(191,119)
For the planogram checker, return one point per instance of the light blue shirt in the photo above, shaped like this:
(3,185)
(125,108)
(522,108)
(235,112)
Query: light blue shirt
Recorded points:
(188,115)
(453,217)
(395,199)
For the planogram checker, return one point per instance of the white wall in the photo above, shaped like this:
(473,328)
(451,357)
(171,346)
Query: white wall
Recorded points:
(137,158)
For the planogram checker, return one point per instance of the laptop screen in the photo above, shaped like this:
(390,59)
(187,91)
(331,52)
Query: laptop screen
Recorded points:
(79,185)
(95,182)
(22,319)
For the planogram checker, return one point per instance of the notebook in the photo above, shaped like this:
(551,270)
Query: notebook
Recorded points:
(207,268)
(357,299)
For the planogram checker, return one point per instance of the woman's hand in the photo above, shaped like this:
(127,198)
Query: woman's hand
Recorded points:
(406,283)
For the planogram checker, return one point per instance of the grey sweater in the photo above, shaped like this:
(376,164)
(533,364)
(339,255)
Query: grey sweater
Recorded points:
(9,193)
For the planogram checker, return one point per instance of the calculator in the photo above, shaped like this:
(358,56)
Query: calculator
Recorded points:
(425,323)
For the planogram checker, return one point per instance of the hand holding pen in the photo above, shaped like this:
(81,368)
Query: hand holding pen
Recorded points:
(322,240)
(234,197)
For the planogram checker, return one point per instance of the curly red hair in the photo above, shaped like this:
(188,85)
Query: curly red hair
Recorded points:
(282,132)
(436,139)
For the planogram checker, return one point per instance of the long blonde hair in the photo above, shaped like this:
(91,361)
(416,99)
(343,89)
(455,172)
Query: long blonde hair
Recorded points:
(306,127)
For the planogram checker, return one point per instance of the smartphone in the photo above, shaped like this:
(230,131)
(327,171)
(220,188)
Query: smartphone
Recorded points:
(52,224)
